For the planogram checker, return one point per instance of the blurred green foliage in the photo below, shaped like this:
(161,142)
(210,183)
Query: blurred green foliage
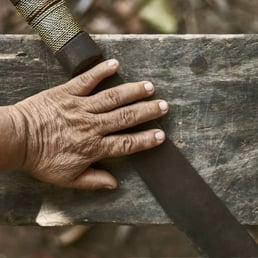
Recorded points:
(159,15)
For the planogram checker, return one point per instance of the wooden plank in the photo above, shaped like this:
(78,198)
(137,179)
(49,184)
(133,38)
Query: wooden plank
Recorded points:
(211,83)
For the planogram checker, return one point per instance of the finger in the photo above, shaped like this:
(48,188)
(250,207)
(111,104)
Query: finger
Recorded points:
(119,96)
(94,179)
(120,145)
(131,116)
(83,84)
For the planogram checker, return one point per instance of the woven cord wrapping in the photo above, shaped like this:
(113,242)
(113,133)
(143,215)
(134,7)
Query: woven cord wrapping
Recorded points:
(51,19)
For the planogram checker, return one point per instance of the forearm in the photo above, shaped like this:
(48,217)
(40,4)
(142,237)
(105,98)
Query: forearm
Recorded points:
(11,139)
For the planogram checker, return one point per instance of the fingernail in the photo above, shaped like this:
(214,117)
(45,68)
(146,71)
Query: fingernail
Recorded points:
(148,86)
(160,136)
(163,105)
(112,62)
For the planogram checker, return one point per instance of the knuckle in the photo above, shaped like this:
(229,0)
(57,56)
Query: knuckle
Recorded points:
(127,144)
(92,148)
(86,78)
(91,107)
(113,97)
(152,108)
(127,117)
(96,124)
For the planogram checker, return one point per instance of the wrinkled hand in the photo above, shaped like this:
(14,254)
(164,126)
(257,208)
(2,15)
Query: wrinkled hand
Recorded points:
(66,131)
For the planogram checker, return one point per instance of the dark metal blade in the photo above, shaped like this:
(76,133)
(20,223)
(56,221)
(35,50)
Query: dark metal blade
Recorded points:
(187,199)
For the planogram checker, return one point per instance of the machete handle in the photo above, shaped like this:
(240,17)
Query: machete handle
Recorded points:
(79,54)
(52,19)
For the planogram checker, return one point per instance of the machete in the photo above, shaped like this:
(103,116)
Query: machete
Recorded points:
(179,189)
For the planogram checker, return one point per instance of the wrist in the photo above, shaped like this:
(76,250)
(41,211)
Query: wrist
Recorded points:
(13,138)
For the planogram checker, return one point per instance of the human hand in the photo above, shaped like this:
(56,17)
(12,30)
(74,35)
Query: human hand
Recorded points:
(65,131)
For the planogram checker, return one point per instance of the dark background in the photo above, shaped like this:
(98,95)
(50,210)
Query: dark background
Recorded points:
(134,17)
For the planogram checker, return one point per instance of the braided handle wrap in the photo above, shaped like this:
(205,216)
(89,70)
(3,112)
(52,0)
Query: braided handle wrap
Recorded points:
(51,19)
(60,31)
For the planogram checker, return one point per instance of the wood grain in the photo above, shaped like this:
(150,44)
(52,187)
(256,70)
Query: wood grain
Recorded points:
(211,83)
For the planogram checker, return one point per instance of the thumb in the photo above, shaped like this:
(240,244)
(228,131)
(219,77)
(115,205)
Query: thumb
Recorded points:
(94,179)
(85,83)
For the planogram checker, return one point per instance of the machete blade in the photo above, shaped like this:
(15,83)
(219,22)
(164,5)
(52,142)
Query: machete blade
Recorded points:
(187,199)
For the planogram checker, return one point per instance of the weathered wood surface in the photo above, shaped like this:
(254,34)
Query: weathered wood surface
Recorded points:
(211,83)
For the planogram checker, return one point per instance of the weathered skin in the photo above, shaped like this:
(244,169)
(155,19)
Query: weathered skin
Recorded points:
(59,133)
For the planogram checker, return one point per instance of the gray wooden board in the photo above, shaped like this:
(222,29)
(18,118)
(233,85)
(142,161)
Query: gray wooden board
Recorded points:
(211,83)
